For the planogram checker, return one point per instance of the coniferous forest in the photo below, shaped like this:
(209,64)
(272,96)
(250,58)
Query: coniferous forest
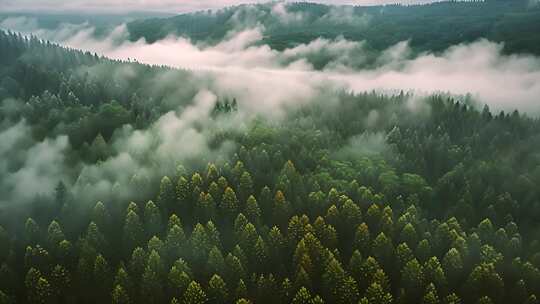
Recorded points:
(352,198)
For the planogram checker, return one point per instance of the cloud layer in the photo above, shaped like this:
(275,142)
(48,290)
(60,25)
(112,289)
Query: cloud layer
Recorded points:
(265,82)
(262,77)
(29,168)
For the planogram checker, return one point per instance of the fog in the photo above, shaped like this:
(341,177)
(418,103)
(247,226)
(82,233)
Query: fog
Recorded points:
(145,155)
(242,66)
(265,82)
(29,168)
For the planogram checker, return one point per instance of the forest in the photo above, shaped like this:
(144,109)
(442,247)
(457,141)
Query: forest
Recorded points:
(432,26)
(125,183)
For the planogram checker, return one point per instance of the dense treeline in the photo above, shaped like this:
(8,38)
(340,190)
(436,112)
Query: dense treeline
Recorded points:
(370,199)
(80,94)
(429,27)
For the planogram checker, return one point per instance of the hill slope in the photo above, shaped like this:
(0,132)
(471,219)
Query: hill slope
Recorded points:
(429,27)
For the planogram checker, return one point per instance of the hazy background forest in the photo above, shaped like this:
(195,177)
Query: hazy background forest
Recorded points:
(280,152)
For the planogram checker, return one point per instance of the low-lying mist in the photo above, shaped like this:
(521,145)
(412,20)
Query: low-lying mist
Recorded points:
(265,82)
(261,77)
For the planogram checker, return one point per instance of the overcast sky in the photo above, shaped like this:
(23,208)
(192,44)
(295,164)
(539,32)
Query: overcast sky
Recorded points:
(171,6)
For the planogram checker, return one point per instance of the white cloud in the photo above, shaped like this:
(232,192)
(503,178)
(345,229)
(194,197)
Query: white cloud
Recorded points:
(29,168)
(264,81)
(173,139)
(262,77)
(284,15)
(346,15)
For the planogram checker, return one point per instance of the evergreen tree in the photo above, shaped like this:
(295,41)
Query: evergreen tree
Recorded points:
(217,290)
(166,196)
(194,294)
(120,296)
(229,203)
(152,216)
(133,231)
(303,296)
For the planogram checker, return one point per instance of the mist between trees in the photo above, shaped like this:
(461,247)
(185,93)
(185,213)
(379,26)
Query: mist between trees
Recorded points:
(318,173)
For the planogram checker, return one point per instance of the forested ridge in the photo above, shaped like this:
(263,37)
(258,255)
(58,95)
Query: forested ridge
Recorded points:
(367,198)
(428,27)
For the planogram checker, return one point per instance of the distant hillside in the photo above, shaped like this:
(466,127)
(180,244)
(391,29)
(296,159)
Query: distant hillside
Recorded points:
(103,23)
(429,27)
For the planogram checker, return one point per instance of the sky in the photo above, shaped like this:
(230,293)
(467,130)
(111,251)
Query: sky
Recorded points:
(170,6)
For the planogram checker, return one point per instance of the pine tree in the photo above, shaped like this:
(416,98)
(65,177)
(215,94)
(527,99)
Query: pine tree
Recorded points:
(229,203)
(101,216)
(355,264)
(403,254)
(375,294)
(348,291)
(423,250)
(183,193)
(120,296)
(43,292)
(177,281)
(484,281)
(275,244)
(245,186)
(212,173)
(413,280)
(452,299)
(200,245)
(194,294)
(102,277)
(155,244)
(281,209)
(241,290)
(54,234)
(303,296)
(174,242)
(32,231)
(152,216)
(362,239)
(137,263)
(435,274)
(151,288)
(216,262)
(302,279)
(61,282)
(205,208)
(167,195)
(409,236)
(247,242)
(31,282)
(431,295)
(253,212)
(212,234)
(133,231)
(383,249)
(217,290)
(333,278)
(484,300)
(123,280)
